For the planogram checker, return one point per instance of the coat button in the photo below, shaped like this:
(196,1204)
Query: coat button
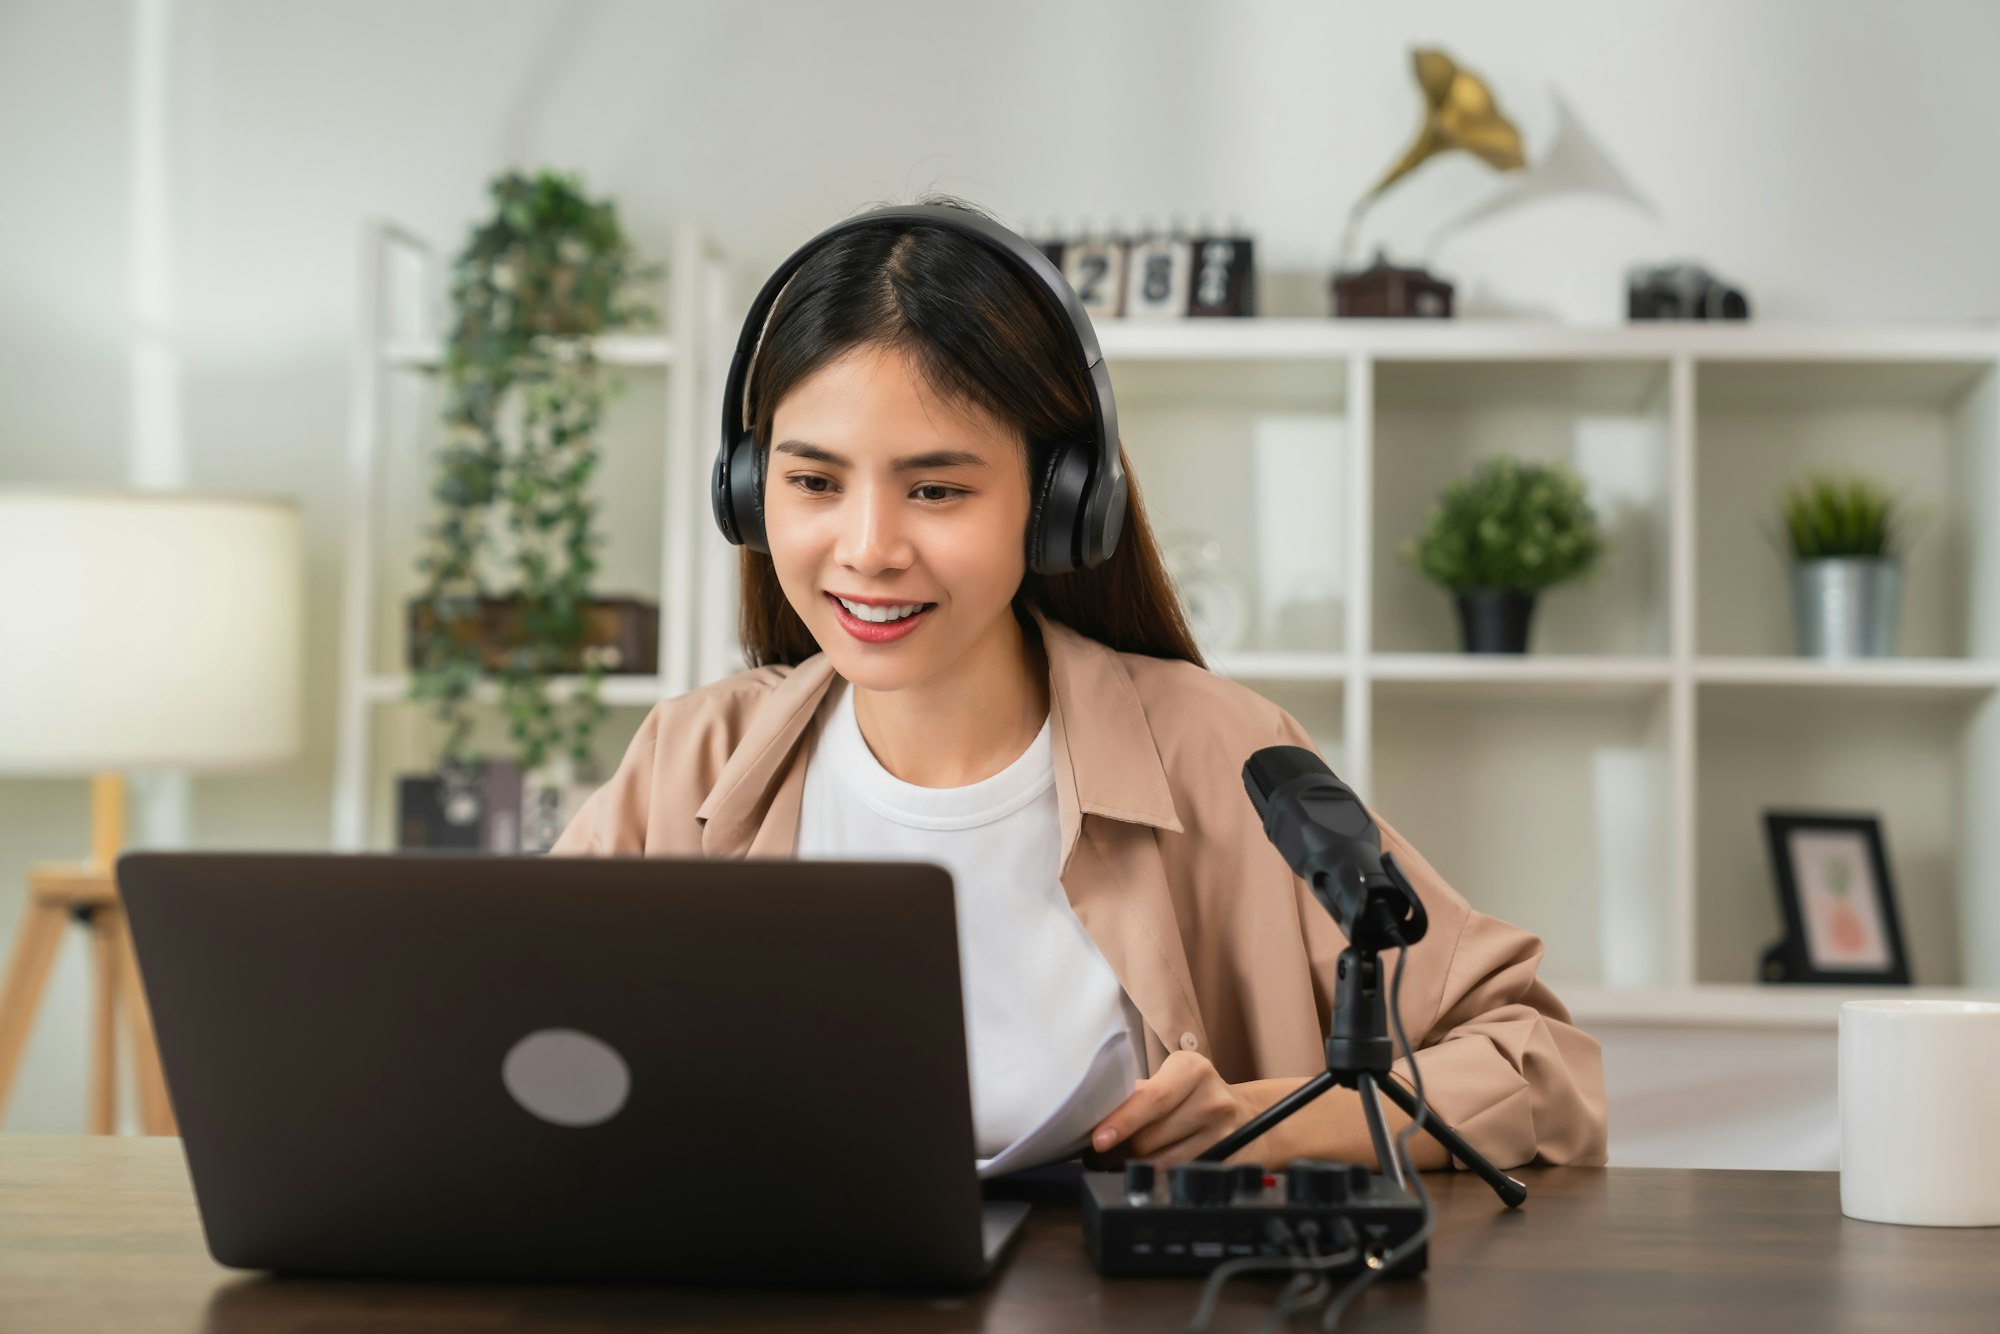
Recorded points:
(1188,1042)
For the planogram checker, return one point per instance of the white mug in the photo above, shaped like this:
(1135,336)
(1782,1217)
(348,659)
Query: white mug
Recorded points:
(1920,1112)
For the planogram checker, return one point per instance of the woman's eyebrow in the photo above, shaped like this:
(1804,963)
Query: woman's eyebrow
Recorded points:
(937,458)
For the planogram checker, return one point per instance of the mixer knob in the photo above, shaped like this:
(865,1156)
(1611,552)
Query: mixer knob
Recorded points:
(1312,1181)
(1202,1183)
(1138,1178)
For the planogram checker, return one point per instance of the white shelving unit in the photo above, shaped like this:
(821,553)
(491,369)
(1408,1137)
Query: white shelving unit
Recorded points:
(1604,790)
(1607,789)
(652,490)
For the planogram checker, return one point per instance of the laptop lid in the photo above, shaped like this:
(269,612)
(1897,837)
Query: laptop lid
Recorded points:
(655,1069)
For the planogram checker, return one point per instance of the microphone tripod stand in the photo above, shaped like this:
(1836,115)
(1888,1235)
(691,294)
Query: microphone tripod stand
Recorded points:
(1359,1051)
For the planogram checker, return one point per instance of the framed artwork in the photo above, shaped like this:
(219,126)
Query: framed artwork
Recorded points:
(1838,902)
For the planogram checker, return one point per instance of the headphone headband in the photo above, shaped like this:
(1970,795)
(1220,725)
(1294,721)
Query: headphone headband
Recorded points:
(1079,505)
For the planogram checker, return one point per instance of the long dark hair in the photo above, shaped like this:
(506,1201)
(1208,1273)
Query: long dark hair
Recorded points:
(981,335)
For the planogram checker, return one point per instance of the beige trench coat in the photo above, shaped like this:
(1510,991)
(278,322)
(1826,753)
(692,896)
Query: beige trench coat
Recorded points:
(1221,947)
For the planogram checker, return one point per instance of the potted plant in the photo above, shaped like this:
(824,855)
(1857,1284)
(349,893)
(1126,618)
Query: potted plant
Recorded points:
(549,270)
(1845,537)
(1500,535)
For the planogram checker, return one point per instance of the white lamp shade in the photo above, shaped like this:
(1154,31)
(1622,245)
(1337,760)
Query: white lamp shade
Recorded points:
(145,629)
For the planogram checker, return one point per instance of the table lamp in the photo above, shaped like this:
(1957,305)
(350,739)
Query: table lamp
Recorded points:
(138,629)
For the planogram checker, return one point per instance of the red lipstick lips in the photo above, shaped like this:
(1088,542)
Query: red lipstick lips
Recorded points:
(876,632)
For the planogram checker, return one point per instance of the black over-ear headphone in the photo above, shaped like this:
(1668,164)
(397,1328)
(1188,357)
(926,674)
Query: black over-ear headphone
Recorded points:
(1078,504)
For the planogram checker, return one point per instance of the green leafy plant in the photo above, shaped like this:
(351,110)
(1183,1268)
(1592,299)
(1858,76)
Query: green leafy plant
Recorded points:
(1828,516)
(549,270)
(1508,526)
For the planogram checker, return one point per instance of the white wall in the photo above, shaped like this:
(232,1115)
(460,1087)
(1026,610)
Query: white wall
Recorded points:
(1835,158)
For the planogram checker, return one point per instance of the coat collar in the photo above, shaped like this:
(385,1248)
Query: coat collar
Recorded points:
(1105,759)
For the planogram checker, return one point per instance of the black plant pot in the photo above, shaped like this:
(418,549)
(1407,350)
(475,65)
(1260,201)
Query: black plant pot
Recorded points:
(1495,622)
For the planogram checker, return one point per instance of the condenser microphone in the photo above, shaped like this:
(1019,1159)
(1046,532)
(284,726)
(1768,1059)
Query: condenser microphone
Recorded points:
(1330,840)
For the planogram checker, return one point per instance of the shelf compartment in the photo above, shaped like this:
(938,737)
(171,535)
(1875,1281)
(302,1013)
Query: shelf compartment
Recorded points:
(1607,420)
(1909,756)
(1926,381)
(1552,813)
(1928,429)
(1621,386)
(404,739)
(626,487)
(1204,382)
(1253,457)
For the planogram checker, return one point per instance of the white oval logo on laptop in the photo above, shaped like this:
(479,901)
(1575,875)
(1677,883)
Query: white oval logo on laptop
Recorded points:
(566,1077)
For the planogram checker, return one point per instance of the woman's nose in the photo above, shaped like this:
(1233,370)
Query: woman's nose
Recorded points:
(871,533)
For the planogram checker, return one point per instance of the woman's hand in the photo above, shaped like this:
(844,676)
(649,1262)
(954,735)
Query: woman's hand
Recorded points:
(1180,1111)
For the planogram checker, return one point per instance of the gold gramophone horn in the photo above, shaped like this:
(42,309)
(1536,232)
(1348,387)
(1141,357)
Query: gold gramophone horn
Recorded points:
(1459,115)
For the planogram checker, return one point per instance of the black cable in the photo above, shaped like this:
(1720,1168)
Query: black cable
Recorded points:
(1279,1232)
(1308,1289)
(1294,1298)
(1304,1290)
(1360,1282)
(1204,1312)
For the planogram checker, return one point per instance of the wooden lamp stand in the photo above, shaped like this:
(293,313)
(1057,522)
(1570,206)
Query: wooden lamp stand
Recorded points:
(88,893)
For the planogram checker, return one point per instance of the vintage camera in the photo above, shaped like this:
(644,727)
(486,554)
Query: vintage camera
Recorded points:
(1681,292)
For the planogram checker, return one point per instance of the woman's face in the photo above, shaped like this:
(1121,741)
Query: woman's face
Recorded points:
(878,491)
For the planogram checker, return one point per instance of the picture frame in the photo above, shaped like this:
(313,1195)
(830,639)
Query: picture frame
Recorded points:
(1831,873)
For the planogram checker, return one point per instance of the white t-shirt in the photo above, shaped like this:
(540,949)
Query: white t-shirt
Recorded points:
(1039,997)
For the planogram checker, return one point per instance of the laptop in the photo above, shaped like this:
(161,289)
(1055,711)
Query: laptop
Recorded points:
(455,1065)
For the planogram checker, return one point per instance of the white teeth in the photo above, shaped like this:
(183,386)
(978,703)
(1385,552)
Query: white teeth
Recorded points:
(880,614)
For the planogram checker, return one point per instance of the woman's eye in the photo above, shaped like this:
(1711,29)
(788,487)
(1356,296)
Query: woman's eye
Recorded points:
(813,485)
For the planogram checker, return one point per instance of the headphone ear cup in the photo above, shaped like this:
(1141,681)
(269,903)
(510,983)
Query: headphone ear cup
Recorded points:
(1114,522)
(1058,504)
(746,493)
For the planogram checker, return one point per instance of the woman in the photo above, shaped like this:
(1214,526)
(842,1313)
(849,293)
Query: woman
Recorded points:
(1053,739)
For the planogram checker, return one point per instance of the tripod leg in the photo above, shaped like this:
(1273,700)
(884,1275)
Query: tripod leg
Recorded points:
(1250,1130)
(1510,1191)
(1388,1163)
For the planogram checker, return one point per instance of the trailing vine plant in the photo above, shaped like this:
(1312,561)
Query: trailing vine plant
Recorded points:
(524,394)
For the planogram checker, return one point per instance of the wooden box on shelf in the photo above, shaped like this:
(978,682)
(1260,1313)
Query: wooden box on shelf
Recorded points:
(625,631)
(1384,291)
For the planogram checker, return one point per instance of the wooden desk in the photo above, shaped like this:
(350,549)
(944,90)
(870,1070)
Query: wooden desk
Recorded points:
(101,1234)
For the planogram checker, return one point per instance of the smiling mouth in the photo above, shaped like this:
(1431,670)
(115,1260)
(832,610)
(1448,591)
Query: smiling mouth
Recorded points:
(891,615)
